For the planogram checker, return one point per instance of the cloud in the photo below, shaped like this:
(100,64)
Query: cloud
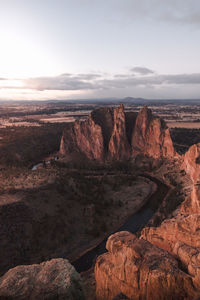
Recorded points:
(95,81)
(153,80)
(141,70)
(63,82)
(68,86)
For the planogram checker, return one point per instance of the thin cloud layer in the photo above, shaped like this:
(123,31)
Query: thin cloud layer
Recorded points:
(174,11)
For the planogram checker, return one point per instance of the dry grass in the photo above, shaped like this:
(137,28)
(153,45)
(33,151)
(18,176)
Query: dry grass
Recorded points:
(190,125)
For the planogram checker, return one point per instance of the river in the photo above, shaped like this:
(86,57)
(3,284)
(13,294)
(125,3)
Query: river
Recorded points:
(133,224)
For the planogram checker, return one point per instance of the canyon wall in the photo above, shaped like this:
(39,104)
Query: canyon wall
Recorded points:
(151,136)
(111,134)
(181,235)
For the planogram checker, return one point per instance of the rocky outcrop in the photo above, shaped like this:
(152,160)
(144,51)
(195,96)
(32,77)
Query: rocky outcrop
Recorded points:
(54,279)
(180,236)
(182,228)
(139,270)
(84,138)
(192,203)
(119,148)
(111,134)
(151,136)
(191,162)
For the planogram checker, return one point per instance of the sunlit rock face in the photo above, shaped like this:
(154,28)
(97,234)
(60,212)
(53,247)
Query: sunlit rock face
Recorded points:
(111,134)
(183,228)
(54,279)
(151,136)
(191,205)
(191,162)
(83,138)
(140,271)
(181,237)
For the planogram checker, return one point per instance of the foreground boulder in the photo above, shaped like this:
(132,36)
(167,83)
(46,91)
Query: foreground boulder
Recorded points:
(140,271)
(54,279)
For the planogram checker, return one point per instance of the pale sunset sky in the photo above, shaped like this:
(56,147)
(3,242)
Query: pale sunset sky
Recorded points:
(68,49)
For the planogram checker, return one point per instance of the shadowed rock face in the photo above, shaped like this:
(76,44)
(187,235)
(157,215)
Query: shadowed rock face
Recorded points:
(140,271)
(54,279)
(119,148)
(111,134)
(104,118)
(130,118)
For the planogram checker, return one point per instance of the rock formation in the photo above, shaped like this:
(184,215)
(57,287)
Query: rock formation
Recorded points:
(151,136)
(104,117)
(191,205)
(140,271)
(192,162)
(54,279)
(119,148)
(181,235)
(83,138)
(111,134)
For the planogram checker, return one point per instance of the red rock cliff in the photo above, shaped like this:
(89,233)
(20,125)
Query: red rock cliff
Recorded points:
(112,134)
(151,136)
(83,138)
(192,162)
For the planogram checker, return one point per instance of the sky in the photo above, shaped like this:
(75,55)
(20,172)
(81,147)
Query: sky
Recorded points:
(75,49)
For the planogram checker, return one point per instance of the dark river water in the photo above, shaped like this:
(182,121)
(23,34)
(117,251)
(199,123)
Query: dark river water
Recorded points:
(133,224)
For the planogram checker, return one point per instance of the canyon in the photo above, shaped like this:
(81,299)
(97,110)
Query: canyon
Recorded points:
(118,271)
(114,148)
